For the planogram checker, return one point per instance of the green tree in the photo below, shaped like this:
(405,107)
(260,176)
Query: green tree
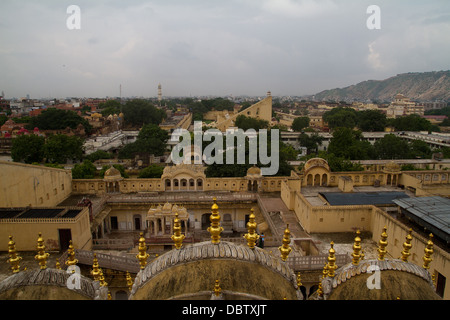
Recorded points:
(300,123)
(311,142)
(85,170)
(392,147)
(412,122)
(59,148)
(97,155)
(246,123)
(151,140)
(348,144)
(420,149)
(152,171)
(139,112)
(341,117)
(109,107)
(371,120)
(28,148)
(56,119)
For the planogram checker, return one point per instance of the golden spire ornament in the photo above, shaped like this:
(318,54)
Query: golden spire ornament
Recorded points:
(356,249)
(58,265)
(41,256)
(428,252)
(215,229)
(103,283)
(177,237)
(299,281)
(14,258)
(285,249)
(96,271)
(129,281)
(406,247)
(217,289)
(382,244)
(71,261)
(324,275)
(331,261)
(251,236)
(142,255)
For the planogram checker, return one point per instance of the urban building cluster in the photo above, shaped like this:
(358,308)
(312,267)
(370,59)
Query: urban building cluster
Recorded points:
(312,234)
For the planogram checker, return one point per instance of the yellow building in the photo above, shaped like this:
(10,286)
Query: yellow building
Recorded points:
(180,201)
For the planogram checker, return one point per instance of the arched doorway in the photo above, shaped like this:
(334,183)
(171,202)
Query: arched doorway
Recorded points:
(309,180)
(317,180)
(168,185)
(324,180)
(205,221)
(137,222)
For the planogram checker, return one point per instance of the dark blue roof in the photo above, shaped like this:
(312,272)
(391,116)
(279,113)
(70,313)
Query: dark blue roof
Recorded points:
(362,198)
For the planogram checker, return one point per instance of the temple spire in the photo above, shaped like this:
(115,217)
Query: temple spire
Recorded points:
(142,255)
(129,281)
(177,237)
(382,244)
(428,253)
(71,261)
(285,249)
(356,249)
(251,236)
(331,261)
(217,289)
(406,247)
(96,271)
(215,229)
(14,258)
(41,256)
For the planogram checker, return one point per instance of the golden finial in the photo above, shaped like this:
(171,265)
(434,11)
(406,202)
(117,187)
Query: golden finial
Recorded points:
(58,265)
(299,281)
(433,279)
(142,255)
(41,254)
(251,236)
(217,289)
(14,258)
(428,252)
(356,249)
(96,271)
(101,278)
(406,247)
(129,281)
(382,244)
(215,229)
(109,295)
(285,249)
(177,237)
(71,261)
(324,275)
(331,261)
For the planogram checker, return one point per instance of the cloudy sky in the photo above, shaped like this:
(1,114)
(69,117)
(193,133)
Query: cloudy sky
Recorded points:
(214,47)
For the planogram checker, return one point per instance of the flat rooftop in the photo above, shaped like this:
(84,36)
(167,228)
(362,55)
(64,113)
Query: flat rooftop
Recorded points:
(432,213)
(363,198)
(38,213)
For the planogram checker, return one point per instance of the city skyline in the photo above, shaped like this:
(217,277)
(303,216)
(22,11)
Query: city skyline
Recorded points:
(217,48)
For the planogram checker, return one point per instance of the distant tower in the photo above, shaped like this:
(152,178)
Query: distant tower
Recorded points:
(159,93)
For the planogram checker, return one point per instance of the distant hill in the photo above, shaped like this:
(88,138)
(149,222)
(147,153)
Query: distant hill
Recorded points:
(425,86)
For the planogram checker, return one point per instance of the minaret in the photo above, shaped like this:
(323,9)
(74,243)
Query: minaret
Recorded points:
(159,93)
